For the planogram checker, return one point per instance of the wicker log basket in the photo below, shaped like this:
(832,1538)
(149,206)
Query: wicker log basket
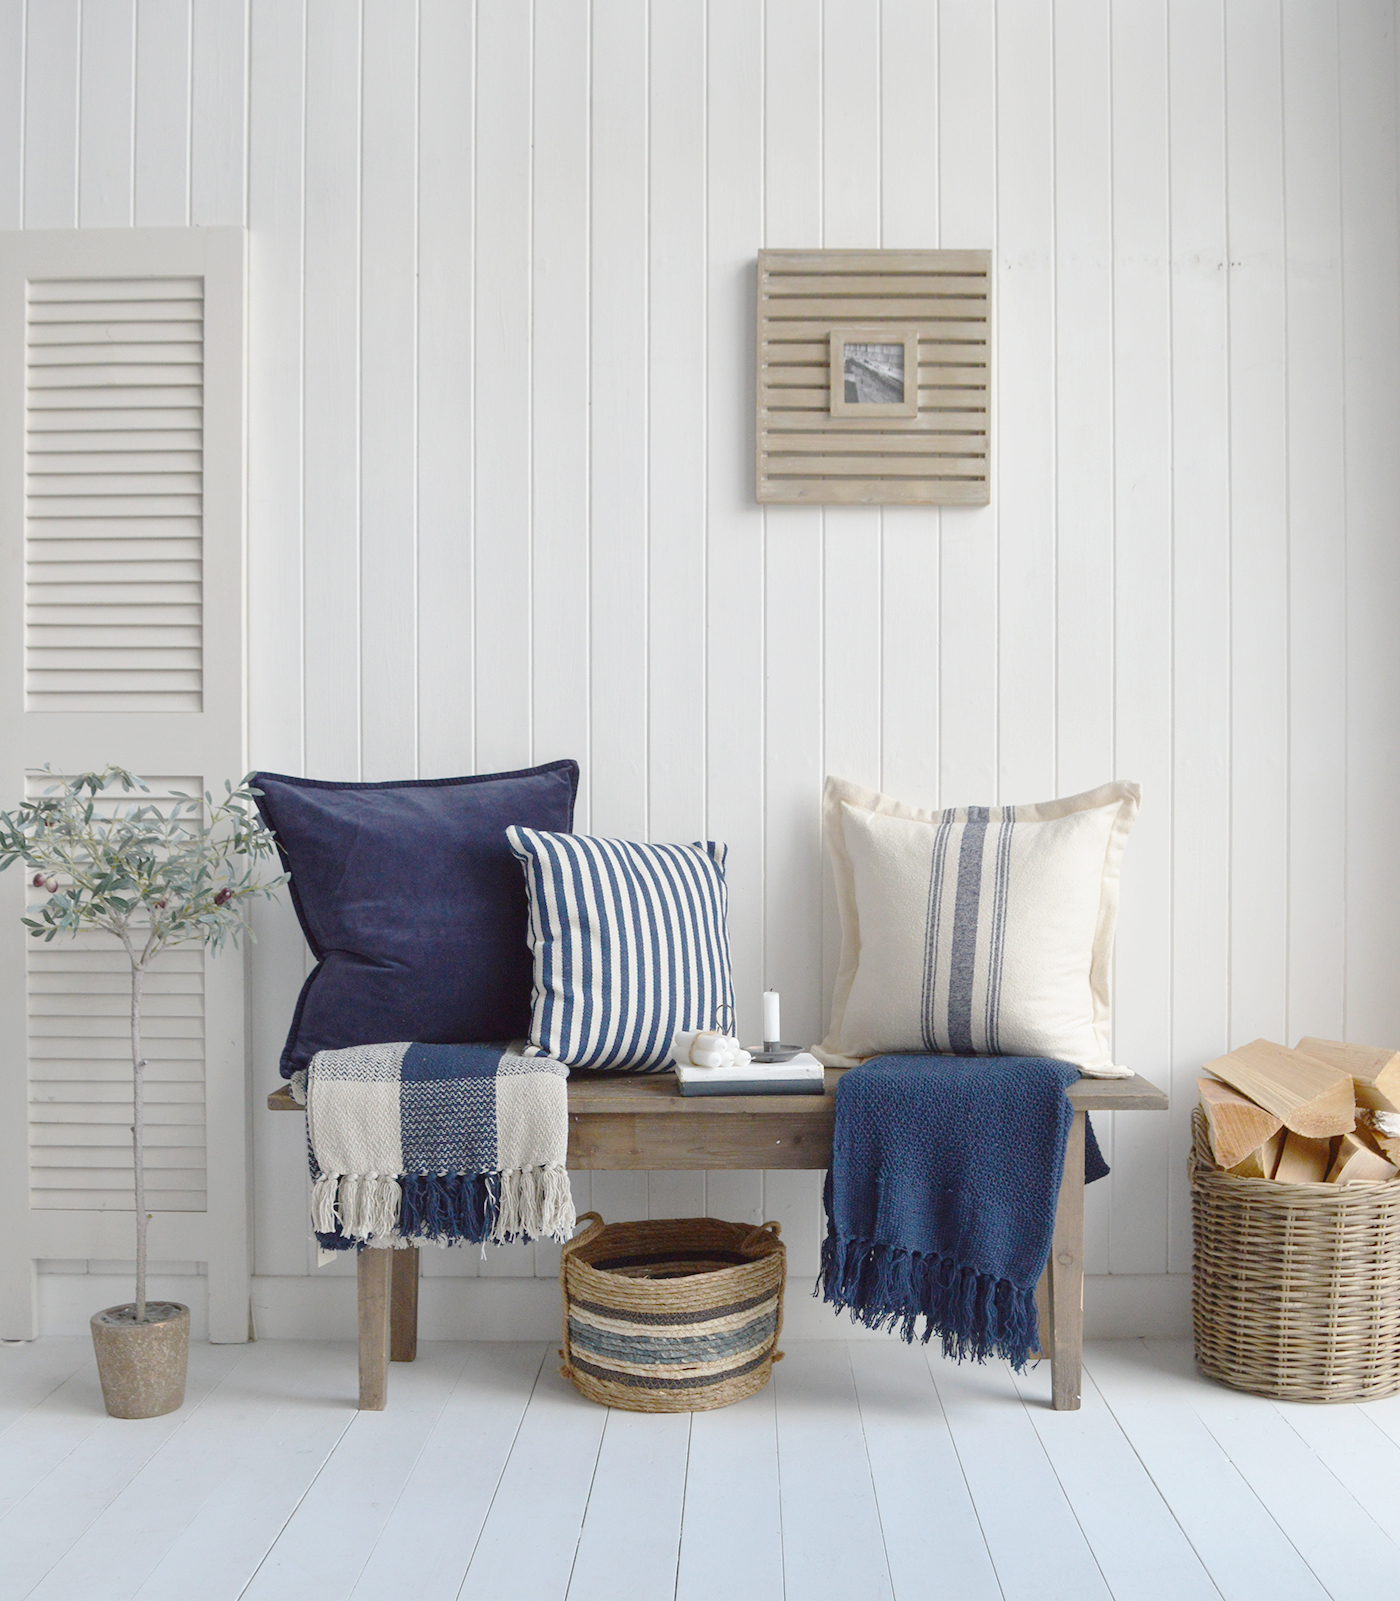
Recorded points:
(1295,1287)
(672,1315)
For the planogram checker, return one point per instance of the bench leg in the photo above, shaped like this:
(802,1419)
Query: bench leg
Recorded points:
(403,1306)
(372,1277)
(1066,1332)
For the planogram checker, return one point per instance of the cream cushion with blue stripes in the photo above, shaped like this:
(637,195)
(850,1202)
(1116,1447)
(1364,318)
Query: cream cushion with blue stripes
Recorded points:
(985,930)
(630,944)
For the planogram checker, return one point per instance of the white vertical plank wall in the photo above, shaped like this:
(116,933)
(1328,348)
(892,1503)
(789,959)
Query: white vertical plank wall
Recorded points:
(500,488)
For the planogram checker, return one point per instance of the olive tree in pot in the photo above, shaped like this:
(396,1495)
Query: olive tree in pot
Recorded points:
(151,877)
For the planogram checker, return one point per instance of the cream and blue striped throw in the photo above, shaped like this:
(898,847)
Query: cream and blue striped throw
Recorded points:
(630,944)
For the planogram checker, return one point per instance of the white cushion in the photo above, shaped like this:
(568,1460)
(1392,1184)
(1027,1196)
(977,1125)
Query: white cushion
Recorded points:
(984,930)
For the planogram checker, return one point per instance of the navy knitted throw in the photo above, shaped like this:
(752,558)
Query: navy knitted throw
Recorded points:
(940,1198)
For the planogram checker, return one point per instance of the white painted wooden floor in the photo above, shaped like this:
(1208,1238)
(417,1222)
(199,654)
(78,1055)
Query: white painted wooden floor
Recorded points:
(864,1470)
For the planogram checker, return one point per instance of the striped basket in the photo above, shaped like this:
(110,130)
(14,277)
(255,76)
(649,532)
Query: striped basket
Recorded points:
(674,1315)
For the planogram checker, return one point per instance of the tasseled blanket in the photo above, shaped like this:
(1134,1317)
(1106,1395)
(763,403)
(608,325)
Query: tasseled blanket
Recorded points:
(940,1198)
(446,1143)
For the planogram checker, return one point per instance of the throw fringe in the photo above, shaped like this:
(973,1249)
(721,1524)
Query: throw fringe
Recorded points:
(534,1203)
(887,1287)
(447,1208)
(323,1218)
(361,1206)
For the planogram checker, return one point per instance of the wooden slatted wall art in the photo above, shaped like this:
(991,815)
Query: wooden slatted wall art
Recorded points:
(121,641)
(814,447)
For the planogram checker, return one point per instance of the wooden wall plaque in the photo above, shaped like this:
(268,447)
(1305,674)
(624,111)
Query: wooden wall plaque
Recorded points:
(841,418)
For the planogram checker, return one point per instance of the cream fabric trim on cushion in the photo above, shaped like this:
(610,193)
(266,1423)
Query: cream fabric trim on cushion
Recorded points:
(981,930)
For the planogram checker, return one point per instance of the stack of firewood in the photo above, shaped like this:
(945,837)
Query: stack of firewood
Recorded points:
(1321,1113)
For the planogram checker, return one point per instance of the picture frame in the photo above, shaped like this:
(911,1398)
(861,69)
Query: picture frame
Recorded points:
(928,443)
(874,372)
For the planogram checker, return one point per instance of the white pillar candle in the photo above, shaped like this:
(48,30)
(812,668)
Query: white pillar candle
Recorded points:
(771,1031)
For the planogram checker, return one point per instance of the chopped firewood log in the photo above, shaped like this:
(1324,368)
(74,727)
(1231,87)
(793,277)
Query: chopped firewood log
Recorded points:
(1357,1163)
(1365,1132)
(1303,1161)
(1237,1124)
(1374,1068)
(1388,1145)
(1309,1097)
(1260,1164)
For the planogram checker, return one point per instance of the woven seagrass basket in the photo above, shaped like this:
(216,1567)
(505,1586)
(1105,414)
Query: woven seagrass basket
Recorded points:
(1295,1287)
(673,1315)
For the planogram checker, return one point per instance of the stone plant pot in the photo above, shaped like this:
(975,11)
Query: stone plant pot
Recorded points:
(142,1365)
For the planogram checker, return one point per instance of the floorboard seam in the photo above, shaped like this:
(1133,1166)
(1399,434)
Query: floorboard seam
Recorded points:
(1055,1472)
(1239,1474)
(967,1485)
(331,1449)
(505,1464)
(588,1501)
(1151,1479)
(685,1490)
(1346,1490)
(417,1457)
(870,1466)
(1268,1510)
(57,1385)
(128,1481)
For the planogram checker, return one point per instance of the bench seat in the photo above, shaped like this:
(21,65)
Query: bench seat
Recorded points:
(617,1124)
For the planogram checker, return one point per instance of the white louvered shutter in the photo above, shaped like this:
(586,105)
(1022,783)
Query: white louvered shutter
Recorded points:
(121,640)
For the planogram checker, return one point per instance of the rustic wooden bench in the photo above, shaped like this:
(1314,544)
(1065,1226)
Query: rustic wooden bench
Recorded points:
(642,1123)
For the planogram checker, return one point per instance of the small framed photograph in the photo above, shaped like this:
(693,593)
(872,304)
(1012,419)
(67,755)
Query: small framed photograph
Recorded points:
(875,372)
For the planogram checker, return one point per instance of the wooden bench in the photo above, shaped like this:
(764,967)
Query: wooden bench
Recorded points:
(642,1123)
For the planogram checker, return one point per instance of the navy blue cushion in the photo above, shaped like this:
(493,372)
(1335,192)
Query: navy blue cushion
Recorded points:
(413,904)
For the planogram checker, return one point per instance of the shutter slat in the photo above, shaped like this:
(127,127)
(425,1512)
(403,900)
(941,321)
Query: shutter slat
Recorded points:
(155,396)
(89,314)
(46,530)
(75,482)
(132,594)
(44,291)
(45,576)
(125,373)
(113,614)
(107,352)
(155,546)
(172,1137)
(119,505)
(46,425)
(59,463)
(54,444)
(122,335)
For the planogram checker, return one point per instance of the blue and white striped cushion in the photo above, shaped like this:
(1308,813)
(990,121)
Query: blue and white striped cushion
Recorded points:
(630,945)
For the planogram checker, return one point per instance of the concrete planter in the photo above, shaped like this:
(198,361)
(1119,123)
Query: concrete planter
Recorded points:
(142,1365)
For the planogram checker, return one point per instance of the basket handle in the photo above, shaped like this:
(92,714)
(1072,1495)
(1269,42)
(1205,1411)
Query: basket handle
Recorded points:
(754,1235)
(594,1221)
